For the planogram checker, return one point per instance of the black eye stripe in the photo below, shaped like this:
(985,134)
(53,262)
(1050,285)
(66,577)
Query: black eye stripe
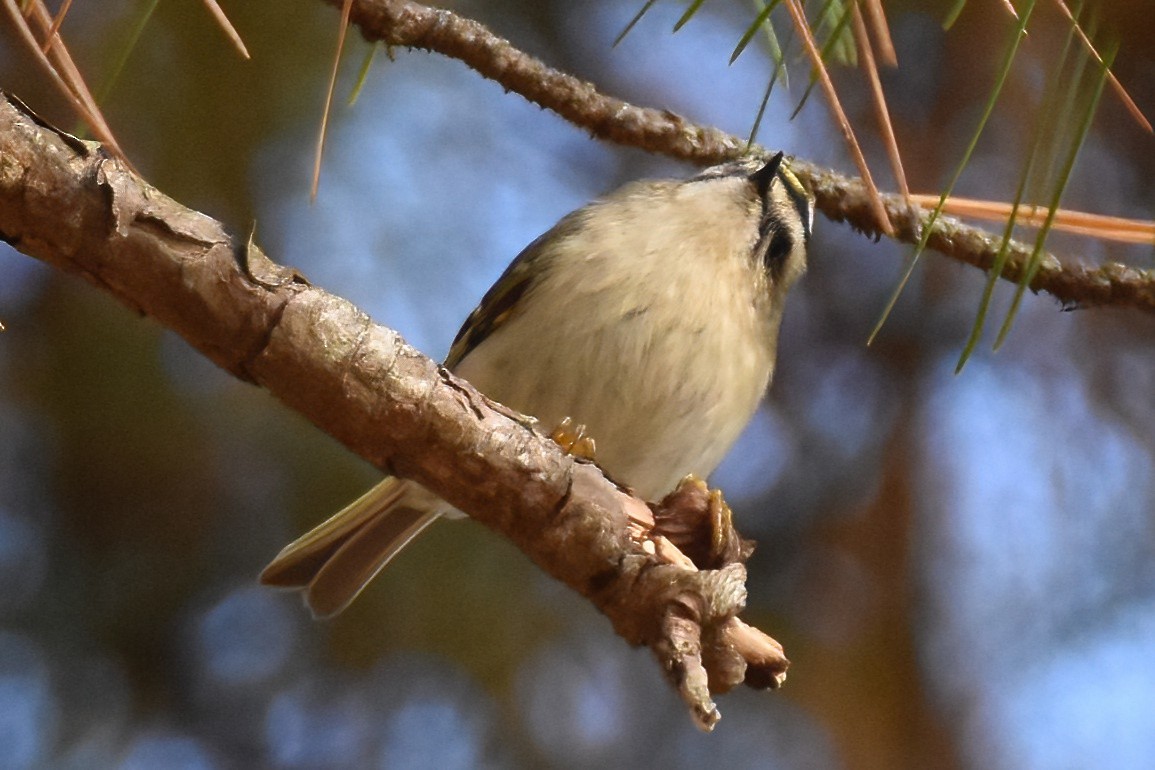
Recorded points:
(775,242)
(765,174)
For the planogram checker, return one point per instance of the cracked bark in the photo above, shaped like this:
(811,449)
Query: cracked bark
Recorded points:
(70,204)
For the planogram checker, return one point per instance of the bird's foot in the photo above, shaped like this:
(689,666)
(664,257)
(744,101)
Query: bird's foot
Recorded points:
(573,439)
(698,521)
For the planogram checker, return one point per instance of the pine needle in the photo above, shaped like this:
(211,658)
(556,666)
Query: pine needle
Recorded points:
(752,30)
(55,28)
(882,113)
(134,38)
(811,46)
(1101,227)
(363,73)
(833,40)
(833,21)
(1010,7)
(877,18)
(61,70)
(1049,112)
(1116,86)
(226,25)
(1008,59)
(953,14)
(633,22)
(1065,175)
(346,10)
(689,14)
(762,108)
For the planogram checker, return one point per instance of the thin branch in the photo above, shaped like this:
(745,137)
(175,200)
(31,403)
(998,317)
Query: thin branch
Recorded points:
(842,198)
(70,204)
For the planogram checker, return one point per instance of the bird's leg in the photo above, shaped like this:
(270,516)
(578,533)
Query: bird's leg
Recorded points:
(573,439)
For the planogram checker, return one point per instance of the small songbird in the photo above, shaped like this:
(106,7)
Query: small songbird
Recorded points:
(650,316)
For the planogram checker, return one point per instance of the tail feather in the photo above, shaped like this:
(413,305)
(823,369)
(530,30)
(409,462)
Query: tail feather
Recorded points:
(335,560)
(363,555)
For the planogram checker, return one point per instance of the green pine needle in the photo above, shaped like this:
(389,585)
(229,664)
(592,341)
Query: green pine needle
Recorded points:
(953,14)
(752,30)
(826,54)
(134,37)
(928,227)
(1068,165)
(363,73)
(1048,110)
(633,22)
(689,14)
(762,108)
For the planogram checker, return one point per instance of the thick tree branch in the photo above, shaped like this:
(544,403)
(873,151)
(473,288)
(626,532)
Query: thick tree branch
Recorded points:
(842,198)
(72,205)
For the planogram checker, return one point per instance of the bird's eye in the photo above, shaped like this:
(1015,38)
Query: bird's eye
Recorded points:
(778,249)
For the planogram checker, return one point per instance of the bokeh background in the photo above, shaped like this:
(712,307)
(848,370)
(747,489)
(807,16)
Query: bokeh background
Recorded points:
(961,567)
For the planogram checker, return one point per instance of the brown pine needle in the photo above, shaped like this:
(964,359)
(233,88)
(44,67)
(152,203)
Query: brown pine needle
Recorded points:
(882,113)
(803,27)
(228,27)
(345,12)
(61,69)
(55,28)
(881,30)
(1116,86)
(1011,9)
(1103,227)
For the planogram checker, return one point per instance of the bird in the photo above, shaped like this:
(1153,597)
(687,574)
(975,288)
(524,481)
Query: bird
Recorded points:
(650,316)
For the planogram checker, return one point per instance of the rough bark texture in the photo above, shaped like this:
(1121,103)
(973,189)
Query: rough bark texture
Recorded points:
(70,204)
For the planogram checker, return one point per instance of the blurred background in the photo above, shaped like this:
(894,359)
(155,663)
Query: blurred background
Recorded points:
(962,568)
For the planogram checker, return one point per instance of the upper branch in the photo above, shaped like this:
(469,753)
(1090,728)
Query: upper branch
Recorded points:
(842,198)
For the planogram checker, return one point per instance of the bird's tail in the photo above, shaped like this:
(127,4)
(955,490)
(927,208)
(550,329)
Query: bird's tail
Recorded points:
(333,562)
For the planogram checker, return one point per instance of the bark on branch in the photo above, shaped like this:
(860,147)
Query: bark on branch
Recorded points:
(841,198)
(70,204)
